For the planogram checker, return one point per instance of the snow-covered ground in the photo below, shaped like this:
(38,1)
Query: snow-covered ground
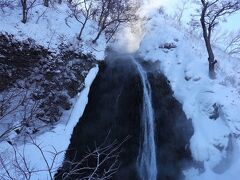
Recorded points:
(51,26)
(215,142)
(53,144)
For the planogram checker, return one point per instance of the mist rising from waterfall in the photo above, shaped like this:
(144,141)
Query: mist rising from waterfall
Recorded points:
(129,36)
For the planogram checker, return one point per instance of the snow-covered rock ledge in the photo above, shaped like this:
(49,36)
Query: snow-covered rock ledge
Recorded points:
(212,106)
(53,144)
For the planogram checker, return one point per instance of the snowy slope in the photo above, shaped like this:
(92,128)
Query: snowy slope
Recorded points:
(215,142)
(52,26)
(53,144)
(49,27)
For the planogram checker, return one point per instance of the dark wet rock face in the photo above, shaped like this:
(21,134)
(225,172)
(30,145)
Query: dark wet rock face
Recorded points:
(17,59)
(114,111)
(173,130)
(114,107)
(37,82)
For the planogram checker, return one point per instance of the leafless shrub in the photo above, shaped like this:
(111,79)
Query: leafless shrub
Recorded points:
(7,98)
(111,14)
(82,11)
(108,14)
(105,155)
(20,167)
(18,104)
(180,10)
(233,44)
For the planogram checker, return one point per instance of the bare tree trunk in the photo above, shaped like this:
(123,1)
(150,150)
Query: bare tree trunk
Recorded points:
(83,27)
(46,3)
(102,27)
(211,62)
(87,17)
(98,35)
(207,39)
(24,11)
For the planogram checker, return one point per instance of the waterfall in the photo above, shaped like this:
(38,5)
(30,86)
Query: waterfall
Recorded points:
(147,164)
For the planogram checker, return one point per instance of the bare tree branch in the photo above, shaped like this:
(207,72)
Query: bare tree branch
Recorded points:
(211,13)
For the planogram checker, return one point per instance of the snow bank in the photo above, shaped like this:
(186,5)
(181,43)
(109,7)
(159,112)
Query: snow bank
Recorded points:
(56,140)
(215,142)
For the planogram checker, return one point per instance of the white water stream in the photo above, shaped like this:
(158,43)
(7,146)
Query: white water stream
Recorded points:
(147,164)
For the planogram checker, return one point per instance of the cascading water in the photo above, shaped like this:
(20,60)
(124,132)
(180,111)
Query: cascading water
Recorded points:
(137,110)
(147,164)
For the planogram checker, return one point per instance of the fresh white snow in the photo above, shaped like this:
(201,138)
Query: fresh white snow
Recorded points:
(52,26)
